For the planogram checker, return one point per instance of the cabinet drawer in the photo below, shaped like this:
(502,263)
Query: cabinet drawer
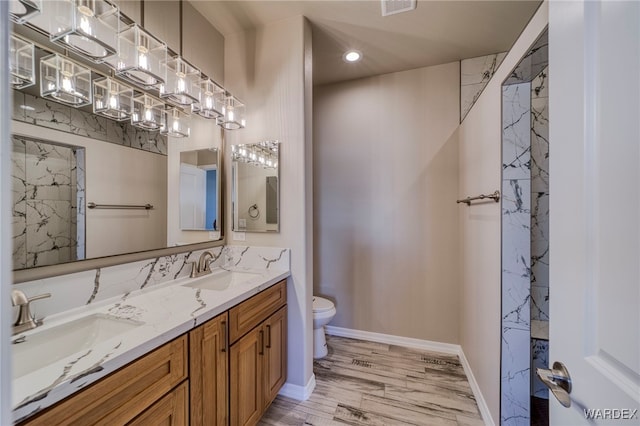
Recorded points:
(121,396)
(171,410)
(253,311)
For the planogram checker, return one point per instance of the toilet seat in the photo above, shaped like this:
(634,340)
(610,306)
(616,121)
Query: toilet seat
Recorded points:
(321,305)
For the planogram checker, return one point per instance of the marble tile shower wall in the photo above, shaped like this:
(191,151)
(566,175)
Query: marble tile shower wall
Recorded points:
(475,73)
(98,285)
(516,255)
(540,228)
(44,188)
(46,113)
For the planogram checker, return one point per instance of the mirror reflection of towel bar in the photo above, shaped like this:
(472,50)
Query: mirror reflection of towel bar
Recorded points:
(495,197)
(120,206)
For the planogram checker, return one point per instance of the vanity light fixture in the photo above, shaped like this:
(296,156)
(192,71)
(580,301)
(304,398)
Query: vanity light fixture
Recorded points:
(141,58)
(352,56)
(263,154)
(21,63)
(233,111)
(21,11)
(89,27)
(182,82)
(147,112)
(112,99)
(211,100)
(175,123)
(65,81)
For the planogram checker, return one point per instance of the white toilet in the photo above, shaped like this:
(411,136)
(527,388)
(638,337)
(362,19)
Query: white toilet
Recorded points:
(323,312)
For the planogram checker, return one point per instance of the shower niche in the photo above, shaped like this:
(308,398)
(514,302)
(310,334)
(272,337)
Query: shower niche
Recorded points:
(525,239)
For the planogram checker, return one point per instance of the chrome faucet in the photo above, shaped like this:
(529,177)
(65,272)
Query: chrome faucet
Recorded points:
(201,267)
(25,320)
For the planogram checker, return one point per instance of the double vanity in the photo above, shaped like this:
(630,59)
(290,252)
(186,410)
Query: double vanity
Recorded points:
(205,350)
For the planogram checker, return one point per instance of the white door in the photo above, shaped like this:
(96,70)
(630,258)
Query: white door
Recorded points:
(193,196)
(594,95)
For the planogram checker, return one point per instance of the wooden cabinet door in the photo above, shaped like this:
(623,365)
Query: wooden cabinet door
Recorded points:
(246,365)
(121,396)
(170,410)
(275,355)
(209,372)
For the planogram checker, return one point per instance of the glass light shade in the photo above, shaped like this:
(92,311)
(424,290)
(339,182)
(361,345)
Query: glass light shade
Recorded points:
(112,99)
(141,58)
(176,123)
(65,81)
(233,111)
(211,100)
(23,10)
(182,83)
(21,63)
(89,27)
(147,113)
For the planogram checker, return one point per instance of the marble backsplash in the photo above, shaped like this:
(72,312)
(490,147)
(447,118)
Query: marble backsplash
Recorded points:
(95,285)
(46,113)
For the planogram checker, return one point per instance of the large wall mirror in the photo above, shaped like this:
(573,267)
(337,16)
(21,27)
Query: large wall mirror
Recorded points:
(255,192)
(76,197)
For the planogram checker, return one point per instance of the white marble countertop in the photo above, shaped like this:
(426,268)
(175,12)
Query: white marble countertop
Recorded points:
(167,312)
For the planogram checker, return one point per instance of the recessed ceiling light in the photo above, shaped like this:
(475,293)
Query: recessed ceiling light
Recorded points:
(352,56)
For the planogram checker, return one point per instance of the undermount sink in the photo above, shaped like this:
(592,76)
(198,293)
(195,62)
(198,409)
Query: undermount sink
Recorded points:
(45,347)
(221,280)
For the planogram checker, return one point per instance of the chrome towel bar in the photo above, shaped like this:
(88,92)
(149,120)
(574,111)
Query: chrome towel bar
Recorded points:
(120,206)
(495,197)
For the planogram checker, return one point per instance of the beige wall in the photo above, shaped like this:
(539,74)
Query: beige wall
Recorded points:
(143,173)
(385,186)
(266,69)
(480,172)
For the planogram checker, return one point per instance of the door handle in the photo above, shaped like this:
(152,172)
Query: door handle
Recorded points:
(268,336)
(261,350)
(223,325)
(558,380)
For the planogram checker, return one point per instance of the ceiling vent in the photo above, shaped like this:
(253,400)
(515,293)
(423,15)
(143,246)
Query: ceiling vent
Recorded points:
(391,7)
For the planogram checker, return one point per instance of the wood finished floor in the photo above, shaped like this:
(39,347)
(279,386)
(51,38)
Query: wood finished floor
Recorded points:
(366,383)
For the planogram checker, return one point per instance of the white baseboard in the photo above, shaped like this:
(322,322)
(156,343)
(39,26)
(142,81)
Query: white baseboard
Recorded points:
(300,393)
(475,388)
(427,345)
(408,342)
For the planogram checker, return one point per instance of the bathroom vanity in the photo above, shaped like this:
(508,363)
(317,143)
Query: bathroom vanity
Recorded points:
(221,360)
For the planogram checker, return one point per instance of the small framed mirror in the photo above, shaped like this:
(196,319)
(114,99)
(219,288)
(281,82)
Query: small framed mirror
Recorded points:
(200,190)
(256,187)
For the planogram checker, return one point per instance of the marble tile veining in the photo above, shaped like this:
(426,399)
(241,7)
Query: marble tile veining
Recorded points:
(46,113)
(368,383)
(475,74)
(516,130)
(90,125)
